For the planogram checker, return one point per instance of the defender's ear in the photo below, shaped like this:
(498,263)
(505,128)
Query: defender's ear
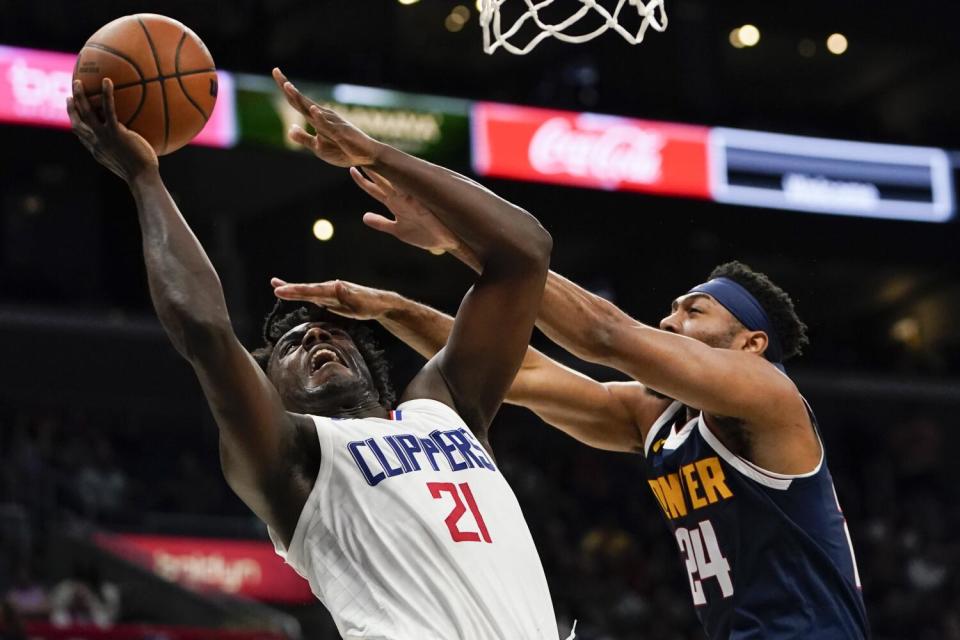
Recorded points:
(756,342)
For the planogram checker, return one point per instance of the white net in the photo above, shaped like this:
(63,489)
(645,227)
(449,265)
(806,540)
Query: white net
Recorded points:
(651,13)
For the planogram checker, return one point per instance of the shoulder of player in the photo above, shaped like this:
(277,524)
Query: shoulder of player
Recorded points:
(775,400)
(783,410)
(440,412)
(753,389)
(430,385)
(428,405)
(779,425)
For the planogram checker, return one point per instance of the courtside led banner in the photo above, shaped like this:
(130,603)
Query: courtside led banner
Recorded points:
(839,177)
(34,86)
(431,127)
(590,150)
(595,151)
(243,567)
(42,630)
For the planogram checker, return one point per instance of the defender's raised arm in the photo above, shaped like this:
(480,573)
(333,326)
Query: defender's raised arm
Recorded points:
(493,326)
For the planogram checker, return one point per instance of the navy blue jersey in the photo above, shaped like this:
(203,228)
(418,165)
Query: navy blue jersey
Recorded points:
(767,555)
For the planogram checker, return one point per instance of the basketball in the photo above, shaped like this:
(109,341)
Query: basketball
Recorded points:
(165,82)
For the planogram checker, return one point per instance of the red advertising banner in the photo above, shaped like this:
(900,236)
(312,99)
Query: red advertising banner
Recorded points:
(46,631)
(590,150)
(245,567)
(34,86)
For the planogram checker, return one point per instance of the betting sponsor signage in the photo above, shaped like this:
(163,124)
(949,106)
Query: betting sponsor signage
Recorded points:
(34,86)
(242,567)
(831,176)
(590,150)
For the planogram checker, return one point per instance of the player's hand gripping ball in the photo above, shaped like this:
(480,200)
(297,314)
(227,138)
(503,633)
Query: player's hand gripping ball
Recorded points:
(113,145)
(164,79)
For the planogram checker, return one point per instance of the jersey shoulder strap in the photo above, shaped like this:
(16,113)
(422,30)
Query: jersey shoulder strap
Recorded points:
(660,426)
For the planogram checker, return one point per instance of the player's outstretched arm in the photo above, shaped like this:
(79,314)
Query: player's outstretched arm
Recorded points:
(601,415)
(598,331)
(722,382)
(495,320)
(493,326)
(255,430)
(716,380)
(487,225)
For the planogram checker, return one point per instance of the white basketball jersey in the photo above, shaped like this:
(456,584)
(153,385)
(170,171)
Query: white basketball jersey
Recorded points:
(412,533)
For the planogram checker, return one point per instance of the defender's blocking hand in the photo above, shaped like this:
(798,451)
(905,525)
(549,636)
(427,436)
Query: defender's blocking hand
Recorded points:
(415,223)
(343,298)
(336,141)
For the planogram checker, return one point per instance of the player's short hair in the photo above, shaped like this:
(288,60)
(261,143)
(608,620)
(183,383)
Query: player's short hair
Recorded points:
(287,314)
(775,301)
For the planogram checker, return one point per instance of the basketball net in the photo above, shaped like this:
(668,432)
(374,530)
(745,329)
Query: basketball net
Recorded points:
(494,37)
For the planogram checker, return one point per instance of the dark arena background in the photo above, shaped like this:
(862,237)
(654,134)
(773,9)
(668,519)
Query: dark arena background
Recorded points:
(815,141)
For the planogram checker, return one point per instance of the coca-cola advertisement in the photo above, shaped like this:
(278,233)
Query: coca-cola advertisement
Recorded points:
(590,150)
(242,567)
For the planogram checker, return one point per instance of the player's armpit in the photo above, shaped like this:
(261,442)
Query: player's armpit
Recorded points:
(263,448)
(606,415)
(487,343)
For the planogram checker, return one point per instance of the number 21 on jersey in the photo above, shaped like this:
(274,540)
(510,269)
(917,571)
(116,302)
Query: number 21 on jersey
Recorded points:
(703,559)
(437,489)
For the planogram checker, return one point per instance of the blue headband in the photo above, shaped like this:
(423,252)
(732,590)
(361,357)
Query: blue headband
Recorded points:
(744,308)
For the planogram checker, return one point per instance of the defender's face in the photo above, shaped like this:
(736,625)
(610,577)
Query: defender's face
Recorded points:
(317,368)
(699,316)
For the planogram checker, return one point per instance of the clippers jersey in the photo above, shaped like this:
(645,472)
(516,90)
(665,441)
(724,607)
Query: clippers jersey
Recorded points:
(412,533)
(767,555)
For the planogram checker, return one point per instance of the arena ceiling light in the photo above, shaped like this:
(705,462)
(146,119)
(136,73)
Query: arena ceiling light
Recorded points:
(747,35)
(735,41)
(457,19)
(837,44)
(322,229)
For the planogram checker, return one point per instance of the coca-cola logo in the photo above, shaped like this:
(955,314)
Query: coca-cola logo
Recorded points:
(610,152)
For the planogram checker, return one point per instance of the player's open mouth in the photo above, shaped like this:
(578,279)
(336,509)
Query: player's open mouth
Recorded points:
(320,357)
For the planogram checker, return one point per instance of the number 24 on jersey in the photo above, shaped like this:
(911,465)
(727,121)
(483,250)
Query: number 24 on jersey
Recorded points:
(703,559)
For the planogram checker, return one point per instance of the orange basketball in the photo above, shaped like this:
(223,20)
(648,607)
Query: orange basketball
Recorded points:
(165,83)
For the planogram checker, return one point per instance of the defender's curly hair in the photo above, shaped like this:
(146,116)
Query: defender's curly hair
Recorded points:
(288,314)
(775,301)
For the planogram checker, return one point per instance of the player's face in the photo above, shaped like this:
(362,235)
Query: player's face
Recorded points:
(318,369)
(699,316)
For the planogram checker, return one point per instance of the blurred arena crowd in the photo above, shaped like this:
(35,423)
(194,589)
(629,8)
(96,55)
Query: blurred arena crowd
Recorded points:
(609,559)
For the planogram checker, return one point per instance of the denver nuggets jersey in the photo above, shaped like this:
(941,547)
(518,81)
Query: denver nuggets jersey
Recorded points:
(412,533)
(767,555)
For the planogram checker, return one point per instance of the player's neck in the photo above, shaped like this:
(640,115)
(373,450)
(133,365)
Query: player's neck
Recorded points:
(366,409)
